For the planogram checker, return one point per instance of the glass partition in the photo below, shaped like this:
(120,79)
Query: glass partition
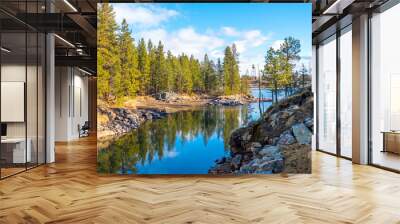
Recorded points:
(327,95)
(13,92)
(22,77)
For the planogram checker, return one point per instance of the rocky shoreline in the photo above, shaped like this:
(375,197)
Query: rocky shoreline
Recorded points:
(279,142)
(119,120)
(123,120)
(233,100)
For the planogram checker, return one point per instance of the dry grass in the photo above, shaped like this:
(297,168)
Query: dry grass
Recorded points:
(102,118)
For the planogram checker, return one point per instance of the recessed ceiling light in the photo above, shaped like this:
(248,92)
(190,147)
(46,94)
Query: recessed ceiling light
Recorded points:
(84,71)
(65,41)
(70,5)
(5,50)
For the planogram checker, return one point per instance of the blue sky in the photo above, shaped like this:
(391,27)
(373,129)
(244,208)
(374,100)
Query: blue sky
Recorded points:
(199,28)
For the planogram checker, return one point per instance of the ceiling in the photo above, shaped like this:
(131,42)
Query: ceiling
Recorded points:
(73,21)
(328,15)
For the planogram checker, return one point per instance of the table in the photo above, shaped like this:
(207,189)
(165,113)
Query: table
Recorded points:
(391,141)
(15,148)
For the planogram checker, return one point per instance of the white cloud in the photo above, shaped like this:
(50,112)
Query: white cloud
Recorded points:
(186,40)
(247,61)
(250,39)
(229,31)
(154,35)
(143,15)
(217,54)
(277,44)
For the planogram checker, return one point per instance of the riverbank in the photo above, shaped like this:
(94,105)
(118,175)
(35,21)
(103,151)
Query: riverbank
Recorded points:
(278,142)
(116,120)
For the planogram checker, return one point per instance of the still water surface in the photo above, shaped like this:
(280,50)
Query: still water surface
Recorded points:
(185,142)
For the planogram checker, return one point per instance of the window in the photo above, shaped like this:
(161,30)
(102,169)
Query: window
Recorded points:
(385,89)
(346,92)
(327,95)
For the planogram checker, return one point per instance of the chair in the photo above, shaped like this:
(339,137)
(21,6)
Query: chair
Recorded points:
(84,130)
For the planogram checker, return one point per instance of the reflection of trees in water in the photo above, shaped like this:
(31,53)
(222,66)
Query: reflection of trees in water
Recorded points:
(152,138)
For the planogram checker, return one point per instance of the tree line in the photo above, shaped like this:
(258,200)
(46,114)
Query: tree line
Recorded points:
(126,68)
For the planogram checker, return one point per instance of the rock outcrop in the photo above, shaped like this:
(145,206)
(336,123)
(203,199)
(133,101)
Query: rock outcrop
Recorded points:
(121,120)
(233,100)
(280,141)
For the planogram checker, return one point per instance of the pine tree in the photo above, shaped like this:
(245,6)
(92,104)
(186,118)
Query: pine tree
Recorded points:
(129,61)
(108,66)
(303,73)
(228,71)
(272,71)
(213,79)
(220,77)
(170,71)
(177,71)
(152,58)
(144,68)
(198,85)
(187,82)
(235,69)
(160,72)
(290,49)
(244,85)
(205,73)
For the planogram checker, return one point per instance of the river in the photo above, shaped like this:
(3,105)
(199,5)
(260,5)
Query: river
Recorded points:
(186,142)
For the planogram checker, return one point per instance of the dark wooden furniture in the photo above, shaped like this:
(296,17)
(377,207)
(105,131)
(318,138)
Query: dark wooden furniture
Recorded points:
(391,141)
(84,130)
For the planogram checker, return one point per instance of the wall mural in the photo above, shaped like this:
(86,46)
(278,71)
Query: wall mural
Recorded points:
(193,88)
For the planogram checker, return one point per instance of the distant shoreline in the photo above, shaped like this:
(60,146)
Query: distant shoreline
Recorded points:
(117,120)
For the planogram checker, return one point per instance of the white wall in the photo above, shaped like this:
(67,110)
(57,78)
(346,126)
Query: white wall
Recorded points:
(71,87)
(12,73)
(33,126)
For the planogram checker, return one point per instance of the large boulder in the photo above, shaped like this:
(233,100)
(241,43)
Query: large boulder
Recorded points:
(222,168)
(302,133)
(279,141)
(286,138)
(166,96)
(309,123)
(296,157)
(236,161)
(270,151)
(272,162)
(240,139)
(271,166)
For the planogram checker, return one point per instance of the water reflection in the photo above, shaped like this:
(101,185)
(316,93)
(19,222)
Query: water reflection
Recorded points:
(182,143)
(167,145)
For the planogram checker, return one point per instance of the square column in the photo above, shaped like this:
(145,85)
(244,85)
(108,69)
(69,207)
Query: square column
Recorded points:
(360,89)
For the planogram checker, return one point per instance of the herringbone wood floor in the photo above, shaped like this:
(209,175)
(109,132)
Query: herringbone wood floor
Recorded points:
(70,191)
